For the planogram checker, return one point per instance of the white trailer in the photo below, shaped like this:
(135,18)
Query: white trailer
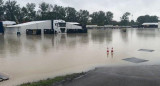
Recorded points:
(8,23)
(22,28)
(73,25)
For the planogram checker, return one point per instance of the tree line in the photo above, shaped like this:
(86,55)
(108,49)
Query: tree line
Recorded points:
(11,10)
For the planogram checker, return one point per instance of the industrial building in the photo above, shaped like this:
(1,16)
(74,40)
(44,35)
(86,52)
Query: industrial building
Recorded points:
(150,25)
(46,27)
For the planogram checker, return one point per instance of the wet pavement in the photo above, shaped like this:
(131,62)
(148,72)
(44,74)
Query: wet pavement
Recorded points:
(146,50)
(120,76)
(135,60)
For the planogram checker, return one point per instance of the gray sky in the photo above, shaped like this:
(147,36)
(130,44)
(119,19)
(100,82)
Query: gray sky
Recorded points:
(118,7)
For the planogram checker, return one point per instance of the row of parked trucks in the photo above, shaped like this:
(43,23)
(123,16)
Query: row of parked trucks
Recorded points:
(45,27)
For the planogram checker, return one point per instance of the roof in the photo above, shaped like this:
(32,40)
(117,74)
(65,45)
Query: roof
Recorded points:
(59,21)
(72,22)
(28,23)
(150,24)
(9,22)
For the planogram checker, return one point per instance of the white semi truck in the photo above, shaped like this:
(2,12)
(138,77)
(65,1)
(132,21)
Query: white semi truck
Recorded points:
(60,26)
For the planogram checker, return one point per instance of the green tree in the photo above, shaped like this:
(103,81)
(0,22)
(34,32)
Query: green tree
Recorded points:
(24,14)
(98,18)
(45,10)
(71,14)
(30,9)
(125,19)
(83,16)
(59,12)
(12,10)
(94,18)
(132,22)
(1,10)
(109,18)
(115,23)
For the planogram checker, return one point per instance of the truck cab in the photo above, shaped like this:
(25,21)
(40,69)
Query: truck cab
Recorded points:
(59,26)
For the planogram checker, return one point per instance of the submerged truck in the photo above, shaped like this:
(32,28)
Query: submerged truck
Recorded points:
(46,27)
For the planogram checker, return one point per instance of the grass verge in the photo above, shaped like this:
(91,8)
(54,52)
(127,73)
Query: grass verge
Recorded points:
(54,81)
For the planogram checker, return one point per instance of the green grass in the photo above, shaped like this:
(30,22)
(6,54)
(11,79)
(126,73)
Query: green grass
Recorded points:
(50,82)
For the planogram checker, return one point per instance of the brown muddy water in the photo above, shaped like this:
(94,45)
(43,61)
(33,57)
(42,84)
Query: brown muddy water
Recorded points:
(32,58)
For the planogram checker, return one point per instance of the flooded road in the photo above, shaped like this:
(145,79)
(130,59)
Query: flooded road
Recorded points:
(32,58)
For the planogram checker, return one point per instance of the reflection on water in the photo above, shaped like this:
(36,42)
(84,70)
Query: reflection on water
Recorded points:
(147,33)
(2,48)
(124,36)
(28,58)
(101,35)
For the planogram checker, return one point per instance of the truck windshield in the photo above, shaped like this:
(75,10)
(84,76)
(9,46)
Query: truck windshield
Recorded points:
(62,24)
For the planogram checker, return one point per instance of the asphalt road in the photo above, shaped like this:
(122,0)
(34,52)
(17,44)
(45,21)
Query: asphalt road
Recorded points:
(120,76)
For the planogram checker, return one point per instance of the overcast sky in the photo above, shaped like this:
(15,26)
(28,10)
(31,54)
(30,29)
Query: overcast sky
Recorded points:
(118,7)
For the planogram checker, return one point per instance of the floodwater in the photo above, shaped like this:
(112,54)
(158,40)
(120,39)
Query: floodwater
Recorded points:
(32,58)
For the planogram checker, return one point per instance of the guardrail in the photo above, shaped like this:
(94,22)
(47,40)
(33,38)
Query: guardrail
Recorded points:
(111,27)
